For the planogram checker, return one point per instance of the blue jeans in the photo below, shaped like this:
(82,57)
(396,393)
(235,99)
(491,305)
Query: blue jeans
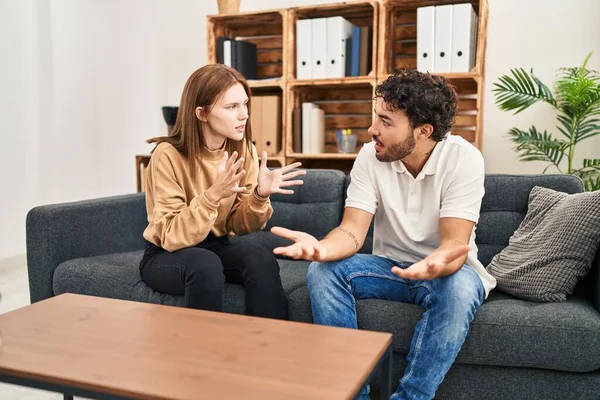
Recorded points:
(450,303)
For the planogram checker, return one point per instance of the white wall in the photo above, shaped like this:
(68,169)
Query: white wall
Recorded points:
(78,97)
(82,83)
(544,35)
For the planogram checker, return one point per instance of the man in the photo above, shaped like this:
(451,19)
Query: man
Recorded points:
(424,188)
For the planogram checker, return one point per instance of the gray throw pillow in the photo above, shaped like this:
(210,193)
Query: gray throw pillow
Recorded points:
(553,248)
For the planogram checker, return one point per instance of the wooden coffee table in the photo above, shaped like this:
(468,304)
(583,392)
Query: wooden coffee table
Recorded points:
(114,349)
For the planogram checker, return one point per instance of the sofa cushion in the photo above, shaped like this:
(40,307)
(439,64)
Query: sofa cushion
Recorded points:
(117,276)
(506,331)
(504,206)
(552,249)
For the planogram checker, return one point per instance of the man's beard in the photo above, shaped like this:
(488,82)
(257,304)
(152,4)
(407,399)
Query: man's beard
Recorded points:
(397,151)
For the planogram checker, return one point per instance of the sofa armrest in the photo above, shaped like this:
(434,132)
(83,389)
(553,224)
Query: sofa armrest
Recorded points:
(595,276)
(60,232)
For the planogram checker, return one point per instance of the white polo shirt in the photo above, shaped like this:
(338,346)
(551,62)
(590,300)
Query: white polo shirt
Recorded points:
(407,209)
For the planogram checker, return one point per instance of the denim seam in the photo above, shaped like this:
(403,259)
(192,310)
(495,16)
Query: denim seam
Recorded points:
(425,319)
(373,275)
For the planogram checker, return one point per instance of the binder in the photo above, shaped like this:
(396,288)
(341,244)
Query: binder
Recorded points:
(317,130)
(256,120)
(464,34)
(339,30)
(270,121)
(348,61)
(365,53)
(297,132)
(221,48)
(303,49)
(319,48)
(227,56)
(443,39)
(245,59)
(425,39)
(355,56)
(306,127)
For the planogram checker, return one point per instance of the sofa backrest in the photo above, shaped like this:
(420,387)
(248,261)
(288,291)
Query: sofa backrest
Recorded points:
(316,207)
(503,208)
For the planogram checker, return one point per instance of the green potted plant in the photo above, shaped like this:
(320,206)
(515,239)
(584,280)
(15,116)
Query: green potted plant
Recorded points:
(576,99)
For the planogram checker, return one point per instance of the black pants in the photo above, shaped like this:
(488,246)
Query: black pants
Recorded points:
(199,273)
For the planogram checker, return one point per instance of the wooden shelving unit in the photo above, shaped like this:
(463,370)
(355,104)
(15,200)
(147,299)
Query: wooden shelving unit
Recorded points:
(348,101)
(398,49)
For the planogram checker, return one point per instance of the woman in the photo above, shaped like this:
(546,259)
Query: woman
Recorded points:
(204,183)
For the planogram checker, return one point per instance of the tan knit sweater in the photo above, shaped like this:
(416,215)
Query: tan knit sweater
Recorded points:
(180,215)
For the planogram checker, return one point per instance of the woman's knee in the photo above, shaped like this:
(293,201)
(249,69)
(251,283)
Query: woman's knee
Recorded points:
(202,266)
(259,260)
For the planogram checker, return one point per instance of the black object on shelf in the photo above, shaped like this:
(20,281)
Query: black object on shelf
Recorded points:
(170,115)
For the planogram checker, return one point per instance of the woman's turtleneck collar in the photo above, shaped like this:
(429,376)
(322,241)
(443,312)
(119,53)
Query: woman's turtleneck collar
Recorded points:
(214,154)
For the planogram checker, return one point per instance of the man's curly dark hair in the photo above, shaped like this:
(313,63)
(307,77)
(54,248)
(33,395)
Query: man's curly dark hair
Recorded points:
(426,99)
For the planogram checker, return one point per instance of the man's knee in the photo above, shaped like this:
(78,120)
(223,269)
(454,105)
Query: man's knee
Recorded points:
(463,289)
(318,272)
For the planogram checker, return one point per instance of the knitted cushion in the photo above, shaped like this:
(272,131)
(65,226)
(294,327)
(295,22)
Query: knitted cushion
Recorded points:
(553,248)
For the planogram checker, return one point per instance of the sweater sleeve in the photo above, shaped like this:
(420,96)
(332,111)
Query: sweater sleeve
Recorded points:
(250,212)
(178,225)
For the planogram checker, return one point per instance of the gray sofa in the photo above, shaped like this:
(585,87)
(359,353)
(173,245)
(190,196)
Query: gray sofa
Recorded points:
(515,349)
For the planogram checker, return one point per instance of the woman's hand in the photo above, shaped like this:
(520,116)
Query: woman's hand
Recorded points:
(229,174)
(272,181)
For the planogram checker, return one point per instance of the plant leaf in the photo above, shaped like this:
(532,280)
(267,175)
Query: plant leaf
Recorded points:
(521,90)
(538,146)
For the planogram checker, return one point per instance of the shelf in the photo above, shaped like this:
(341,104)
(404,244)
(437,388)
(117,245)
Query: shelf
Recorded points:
(347,102)
(323,156)
(465,82)
(266,83)
(332,81)
(247,17)
(412,4)
(361,13)
(264,29)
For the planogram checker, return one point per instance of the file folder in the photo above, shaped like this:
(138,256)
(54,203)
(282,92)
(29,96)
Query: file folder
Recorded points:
(425,39)
(443,39)
(306,127)
(339,30)
(303,49)
(319,48)
(270,121)
(464,34)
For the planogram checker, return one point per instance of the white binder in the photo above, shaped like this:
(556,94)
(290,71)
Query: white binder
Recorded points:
(443,39)
(227,53)
(303,49)
(317,130)
(319,48)
(464,34)
(339,30)
(307,127)
(425,39)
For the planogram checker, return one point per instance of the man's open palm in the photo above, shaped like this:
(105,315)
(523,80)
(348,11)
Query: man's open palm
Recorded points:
(433,266)
(305,247)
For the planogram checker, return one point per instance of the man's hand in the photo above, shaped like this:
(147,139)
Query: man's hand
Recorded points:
(305,247)
(433,266)
(270,182)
